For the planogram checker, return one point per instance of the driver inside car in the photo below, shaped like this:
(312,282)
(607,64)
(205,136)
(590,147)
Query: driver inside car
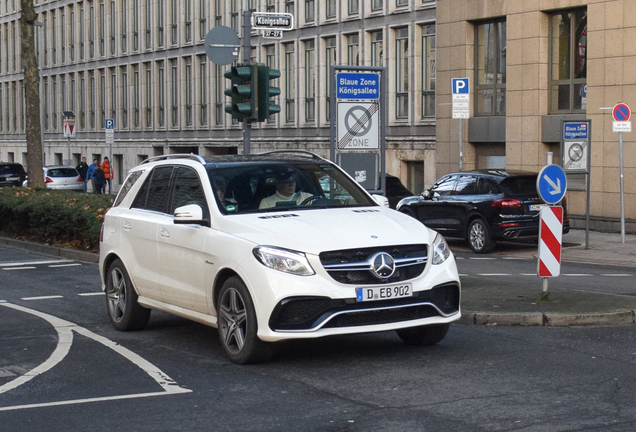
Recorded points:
(285,192)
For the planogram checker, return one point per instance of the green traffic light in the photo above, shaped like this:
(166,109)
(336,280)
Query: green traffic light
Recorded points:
(267,91)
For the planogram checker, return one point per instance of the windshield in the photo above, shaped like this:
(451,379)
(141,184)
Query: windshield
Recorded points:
(61,172)
(275,186)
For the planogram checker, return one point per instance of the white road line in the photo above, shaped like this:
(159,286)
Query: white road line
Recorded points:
(65,265)
(15,264)
(494,274)
(91,294)
(65,338)
(19,268)
(528,274)
(576,274)
(617,275)
(42,297)
(481,259)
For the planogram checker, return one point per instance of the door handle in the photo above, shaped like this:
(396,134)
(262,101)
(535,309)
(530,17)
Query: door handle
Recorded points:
(164,233)
(127,226)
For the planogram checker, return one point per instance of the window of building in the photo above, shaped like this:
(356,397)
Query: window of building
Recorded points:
(102,28)
(270,6)
(124,26)
(174,19)
(113,96)
(330,8)
(113,18)
(289,7)
(219,109)
(310,81)
(148,24)
(188,21)
(401,3)
(377,5)
(91,106)
(377,48)
(174,93)
(290,83)
(102,98)
(490,64)
(234,15)
(415,176)
(136,101)
(310,12)
(160,23)
(354,7)
(71,25)
(402,73)
(148,98)
(330,59)
(82,36)
(188,91)
(568,61)
(124,98)
(353,49)
(91,32)
(203,29)
(71,98)
(82,101)
(428,71)
(135,25)
(203,91)
(53,39)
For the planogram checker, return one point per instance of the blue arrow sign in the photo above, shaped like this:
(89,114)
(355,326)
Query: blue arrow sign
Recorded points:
(551,184)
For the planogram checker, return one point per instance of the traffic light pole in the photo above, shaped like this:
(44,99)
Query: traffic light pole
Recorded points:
(247,48)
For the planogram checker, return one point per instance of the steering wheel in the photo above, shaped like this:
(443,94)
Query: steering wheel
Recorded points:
(312,199)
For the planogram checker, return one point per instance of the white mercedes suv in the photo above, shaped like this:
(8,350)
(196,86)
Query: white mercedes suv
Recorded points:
(268,247)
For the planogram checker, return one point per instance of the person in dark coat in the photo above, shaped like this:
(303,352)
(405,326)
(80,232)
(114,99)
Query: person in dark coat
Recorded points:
(82,169)
(100,179)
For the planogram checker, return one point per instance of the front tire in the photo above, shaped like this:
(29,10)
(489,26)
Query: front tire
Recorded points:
(124,311)
(237,325)
(479,238)
(424,335)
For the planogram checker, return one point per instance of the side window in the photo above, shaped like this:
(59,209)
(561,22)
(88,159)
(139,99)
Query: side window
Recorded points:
(187,190)
(125,188)
(486,186)
(444,186)
(153,195)
(466,185)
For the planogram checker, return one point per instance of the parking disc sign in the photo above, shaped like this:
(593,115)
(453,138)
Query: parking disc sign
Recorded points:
(551,184)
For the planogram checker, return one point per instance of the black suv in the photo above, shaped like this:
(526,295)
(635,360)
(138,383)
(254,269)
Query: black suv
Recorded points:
(12,174)
(481,206)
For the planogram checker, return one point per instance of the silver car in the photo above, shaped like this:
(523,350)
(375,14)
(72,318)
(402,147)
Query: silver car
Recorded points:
(62,177)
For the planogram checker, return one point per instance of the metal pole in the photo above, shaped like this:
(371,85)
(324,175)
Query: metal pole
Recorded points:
(40,62)
(620,158)
(247,30)
(545,294)
(461,153)
(68,152)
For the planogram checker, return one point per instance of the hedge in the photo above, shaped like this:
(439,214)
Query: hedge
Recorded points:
(61,218)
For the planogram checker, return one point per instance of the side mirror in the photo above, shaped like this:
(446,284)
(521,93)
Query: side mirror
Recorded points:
(381,200)
(189,214)
(426,193)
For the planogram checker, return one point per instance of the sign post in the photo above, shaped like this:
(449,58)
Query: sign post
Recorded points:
(68,119)
(109,127)
(551,187)
(461,109)
(621,114)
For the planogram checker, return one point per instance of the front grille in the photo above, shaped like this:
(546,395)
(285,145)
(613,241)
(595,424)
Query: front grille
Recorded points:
(353,266)
(304,313)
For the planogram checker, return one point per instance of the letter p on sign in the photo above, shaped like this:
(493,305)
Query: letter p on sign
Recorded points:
(460,85)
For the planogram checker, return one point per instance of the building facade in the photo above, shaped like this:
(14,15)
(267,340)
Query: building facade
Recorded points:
(143,64)
(531,65)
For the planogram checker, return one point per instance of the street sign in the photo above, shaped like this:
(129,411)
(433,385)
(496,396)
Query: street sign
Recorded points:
(358,126)
(363,85)
(551,184)
(222,45)
(272,20)
(272,34)
(69,128)
(550,236)
(576,146)
(461,98)
(621,126)
(621,112)
(109,124)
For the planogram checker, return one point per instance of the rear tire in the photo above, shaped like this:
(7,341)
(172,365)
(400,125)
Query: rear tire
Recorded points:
(479,238)
(237,325)
(124,311)
(424,335)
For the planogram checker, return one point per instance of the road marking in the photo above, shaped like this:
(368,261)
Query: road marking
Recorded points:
(493,274)
(19,268)
(65,331)
(91,294)
(576,274)
(528,274)
(481,258)
(65,265)
(15,264)
(43,297)
(617,275)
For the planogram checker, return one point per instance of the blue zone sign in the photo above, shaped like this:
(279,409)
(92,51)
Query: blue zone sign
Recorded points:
(551,184)
(357,85)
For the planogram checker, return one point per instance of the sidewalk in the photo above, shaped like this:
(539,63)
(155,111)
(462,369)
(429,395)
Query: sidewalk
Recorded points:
(519,304)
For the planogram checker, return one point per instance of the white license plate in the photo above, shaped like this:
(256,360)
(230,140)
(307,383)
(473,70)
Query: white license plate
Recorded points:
(384,293)
(536,207)
(13,178)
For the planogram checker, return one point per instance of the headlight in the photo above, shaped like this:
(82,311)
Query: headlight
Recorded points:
(441,250)
(283,260)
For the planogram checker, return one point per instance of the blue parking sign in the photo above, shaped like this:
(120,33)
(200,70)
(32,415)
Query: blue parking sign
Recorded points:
(460,85)
(109,124)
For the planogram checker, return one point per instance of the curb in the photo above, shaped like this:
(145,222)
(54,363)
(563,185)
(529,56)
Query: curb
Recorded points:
(51,250)
(548,319)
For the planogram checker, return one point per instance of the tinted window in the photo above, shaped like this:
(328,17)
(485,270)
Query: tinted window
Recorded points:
(444,186)
(12,169)
(522,186)
(466,185)
(153,195)
(125,188)
(62,172)
(187,190)
(486,186)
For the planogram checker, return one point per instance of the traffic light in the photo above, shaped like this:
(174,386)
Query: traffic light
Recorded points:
(266,91)
(243,92)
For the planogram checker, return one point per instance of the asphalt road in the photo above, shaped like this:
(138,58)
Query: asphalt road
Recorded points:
(173,376)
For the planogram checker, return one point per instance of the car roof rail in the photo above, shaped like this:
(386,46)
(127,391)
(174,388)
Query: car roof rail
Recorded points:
(175,156)
(299,152)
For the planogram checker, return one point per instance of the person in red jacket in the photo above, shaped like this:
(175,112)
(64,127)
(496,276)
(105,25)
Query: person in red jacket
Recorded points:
(108,172)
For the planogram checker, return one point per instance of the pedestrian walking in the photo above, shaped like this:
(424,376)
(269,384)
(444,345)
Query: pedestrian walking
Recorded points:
(100,180)
(108,173)
(82,169)
(91,171)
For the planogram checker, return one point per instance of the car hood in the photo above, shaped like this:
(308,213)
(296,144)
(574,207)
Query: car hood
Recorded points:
(317,230)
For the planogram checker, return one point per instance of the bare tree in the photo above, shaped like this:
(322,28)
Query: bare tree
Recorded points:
(32,96)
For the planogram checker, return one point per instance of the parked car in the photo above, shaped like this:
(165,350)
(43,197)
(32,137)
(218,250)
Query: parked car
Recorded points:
(12,174)
(481,206)
(191,236)
(395,190)
(62,177)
